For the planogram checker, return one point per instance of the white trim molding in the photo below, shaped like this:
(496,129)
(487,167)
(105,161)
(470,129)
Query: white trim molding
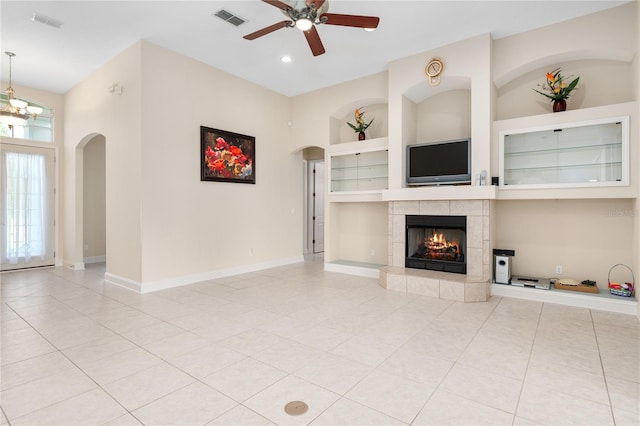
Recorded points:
(149,287)
(95,259)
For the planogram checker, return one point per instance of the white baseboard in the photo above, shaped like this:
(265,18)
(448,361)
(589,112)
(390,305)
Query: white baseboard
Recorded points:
(152,286)
(95,259)
(359,271)
(76,266)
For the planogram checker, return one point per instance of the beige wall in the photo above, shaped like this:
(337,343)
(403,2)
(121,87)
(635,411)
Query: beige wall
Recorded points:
(466,63)
(603,35)
(546,233)
(90,110)
(94,199)
(318,119)
(357,227)
(191,227)
(517,98)
(636,204)
(586,237)
(444,116)
(312,112)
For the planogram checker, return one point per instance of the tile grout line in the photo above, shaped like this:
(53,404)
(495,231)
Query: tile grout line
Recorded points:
(604,376)
(526,370)
(453,364)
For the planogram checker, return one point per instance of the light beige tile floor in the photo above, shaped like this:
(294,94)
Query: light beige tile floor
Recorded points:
(234,351)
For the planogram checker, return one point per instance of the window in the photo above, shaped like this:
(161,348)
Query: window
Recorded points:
(38,129)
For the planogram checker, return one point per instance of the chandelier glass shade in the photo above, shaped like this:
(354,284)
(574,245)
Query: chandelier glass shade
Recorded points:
(16,112)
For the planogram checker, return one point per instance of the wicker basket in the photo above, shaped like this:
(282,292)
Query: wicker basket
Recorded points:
(622,291)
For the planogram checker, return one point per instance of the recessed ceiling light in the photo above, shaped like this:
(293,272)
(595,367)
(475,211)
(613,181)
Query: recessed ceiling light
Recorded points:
(286,59)
(370,29)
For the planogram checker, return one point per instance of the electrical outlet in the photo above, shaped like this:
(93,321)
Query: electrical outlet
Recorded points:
(251,252)
(86,247)
(559,269)
(373,252)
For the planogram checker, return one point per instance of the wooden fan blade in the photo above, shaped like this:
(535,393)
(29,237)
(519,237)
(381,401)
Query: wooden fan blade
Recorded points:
(267,30)
(314,41)
(278,4)
(351,20)
(316,4)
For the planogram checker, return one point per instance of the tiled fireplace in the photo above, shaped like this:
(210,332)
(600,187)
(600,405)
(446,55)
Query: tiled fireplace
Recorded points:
(473,286)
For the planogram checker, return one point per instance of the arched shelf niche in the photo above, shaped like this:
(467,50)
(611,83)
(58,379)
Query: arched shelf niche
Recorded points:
(437,113)
(376,109)
(516,97)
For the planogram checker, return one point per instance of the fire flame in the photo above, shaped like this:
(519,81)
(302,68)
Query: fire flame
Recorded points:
(438,241)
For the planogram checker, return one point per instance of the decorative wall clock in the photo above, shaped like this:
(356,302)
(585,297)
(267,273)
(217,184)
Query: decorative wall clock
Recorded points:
(433,70)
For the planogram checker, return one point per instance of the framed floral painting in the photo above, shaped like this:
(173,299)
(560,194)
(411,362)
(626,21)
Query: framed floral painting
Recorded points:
(227,156)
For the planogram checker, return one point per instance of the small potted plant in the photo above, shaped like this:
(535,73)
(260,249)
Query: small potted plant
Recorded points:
(558,90)
(360,125)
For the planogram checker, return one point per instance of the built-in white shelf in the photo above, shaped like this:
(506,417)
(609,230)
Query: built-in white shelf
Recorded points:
(361,269)
(367,145)
(441,192)
(568,193)
(355,197)
(603,301)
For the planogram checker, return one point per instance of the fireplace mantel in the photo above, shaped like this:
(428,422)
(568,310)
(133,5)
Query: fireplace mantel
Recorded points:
(442,192)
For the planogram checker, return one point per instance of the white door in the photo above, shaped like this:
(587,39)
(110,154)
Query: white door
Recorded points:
(27,188)
(318,206)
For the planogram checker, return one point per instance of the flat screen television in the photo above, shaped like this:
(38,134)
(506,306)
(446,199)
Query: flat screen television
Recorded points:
(438,163)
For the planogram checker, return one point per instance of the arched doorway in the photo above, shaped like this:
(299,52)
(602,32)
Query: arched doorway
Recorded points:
(90,224)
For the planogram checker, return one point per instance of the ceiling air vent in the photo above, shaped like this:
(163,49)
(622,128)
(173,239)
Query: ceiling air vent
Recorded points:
(38,17)
(229,17)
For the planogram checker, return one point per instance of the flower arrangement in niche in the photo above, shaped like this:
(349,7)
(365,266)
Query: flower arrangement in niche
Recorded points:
(227,161)
(360,125)
(557,90)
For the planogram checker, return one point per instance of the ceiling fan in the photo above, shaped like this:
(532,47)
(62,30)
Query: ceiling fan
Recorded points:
(306,14)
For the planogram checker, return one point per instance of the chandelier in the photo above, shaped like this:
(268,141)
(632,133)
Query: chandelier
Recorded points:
(17,111)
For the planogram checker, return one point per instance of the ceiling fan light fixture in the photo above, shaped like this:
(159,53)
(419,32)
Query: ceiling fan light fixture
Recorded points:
(304,24)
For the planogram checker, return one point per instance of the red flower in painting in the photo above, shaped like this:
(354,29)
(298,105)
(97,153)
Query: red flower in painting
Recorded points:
(227,160)
(221,144)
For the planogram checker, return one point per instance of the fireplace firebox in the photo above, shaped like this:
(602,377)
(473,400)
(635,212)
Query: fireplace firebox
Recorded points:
(436,242)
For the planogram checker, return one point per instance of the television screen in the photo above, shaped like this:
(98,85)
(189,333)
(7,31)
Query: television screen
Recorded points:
(440,162)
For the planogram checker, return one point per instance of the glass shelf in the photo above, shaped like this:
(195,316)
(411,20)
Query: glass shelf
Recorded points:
(364,171)
(591,153)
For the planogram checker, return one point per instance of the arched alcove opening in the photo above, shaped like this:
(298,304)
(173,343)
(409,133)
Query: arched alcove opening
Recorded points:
(373,109)
(90,225)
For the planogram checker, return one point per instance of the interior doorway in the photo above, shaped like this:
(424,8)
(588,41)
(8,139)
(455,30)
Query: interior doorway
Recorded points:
(314,200)
(316,207)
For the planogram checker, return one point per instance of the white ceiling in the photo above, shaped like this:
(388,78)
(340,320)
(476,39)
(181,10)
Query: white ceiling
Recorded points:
(95,31)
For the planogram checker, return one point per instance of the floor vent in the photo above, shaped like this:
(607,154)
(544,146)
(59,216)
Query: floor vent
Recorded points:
(296,408)
(229,17)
